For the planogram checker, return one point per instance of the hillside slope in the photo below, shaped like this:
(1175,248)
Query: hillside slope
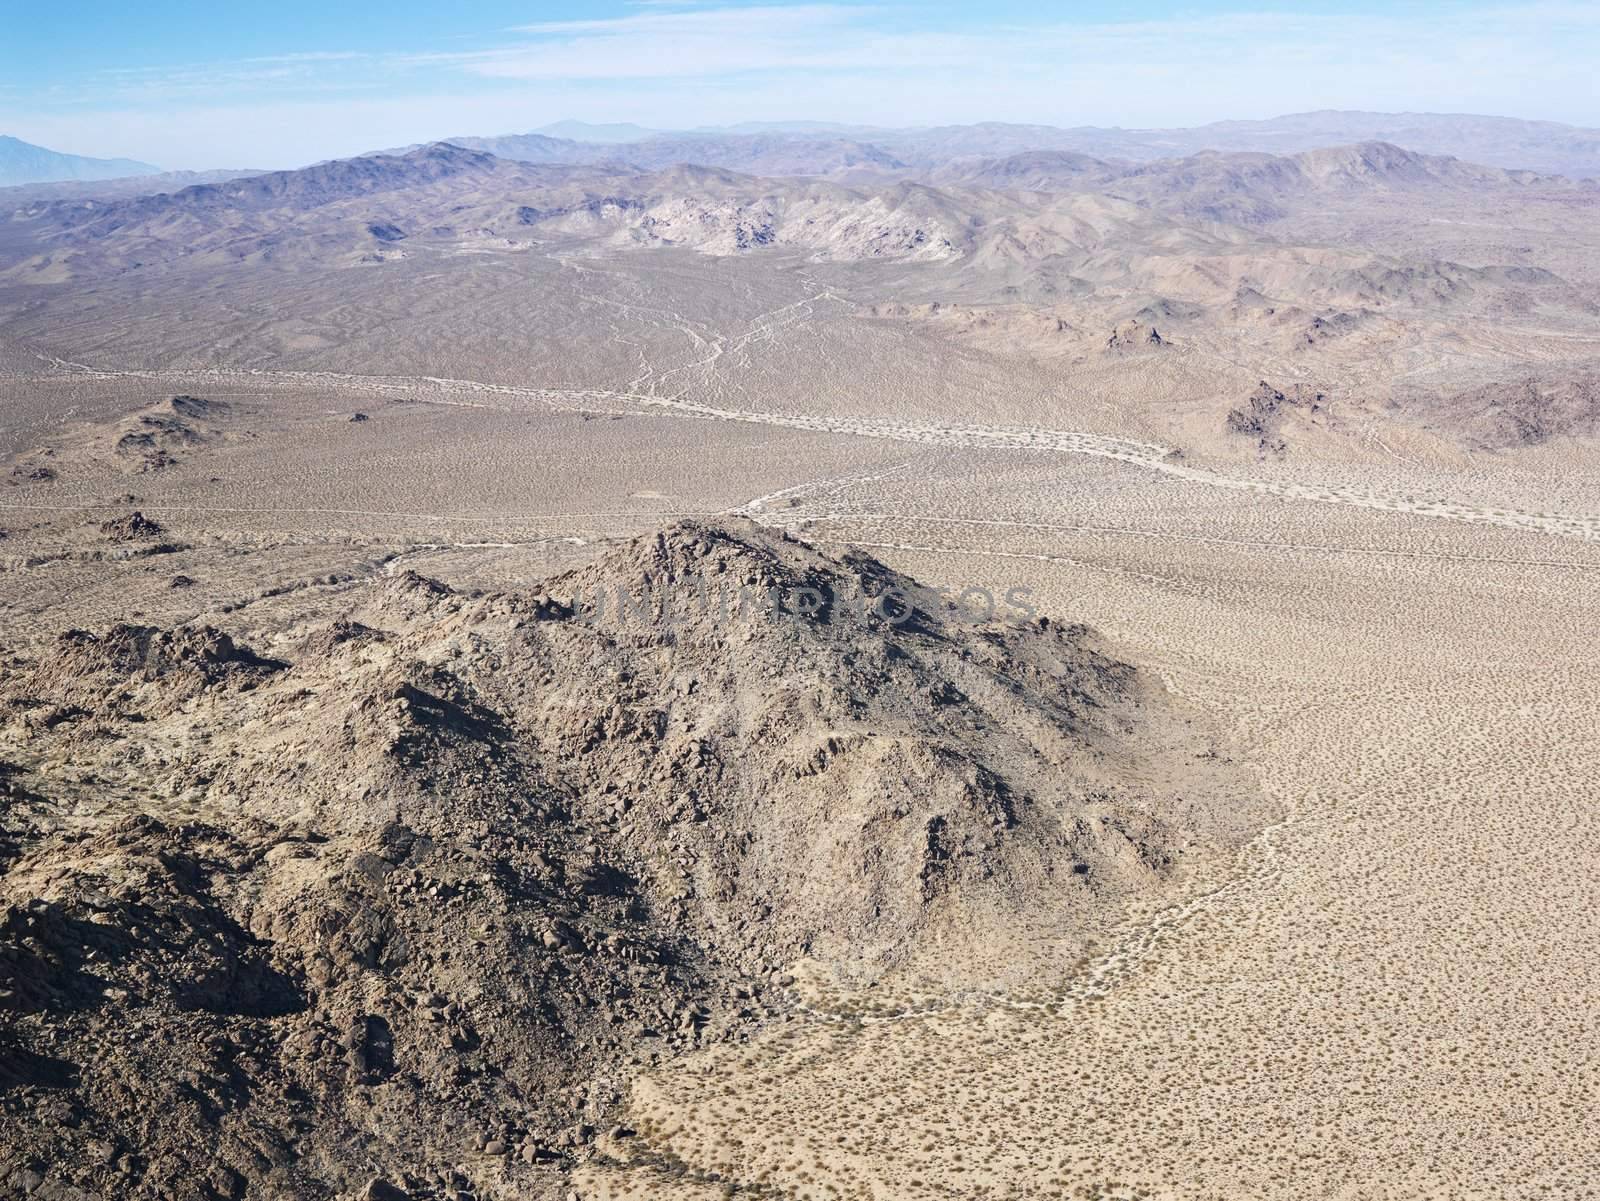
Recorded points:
(428,885)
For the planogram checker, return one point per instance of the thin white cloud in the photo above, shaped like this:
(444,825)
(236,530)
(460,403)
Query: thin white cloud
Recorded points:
(311,56)
(681,42)
(718,18)
(304,73)
(729,40)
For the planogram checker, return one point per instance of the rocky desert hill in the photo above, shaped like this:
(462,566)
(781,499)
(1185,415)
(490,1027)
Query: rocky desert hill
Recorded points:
(1527,408)
(379,207)
(395,906)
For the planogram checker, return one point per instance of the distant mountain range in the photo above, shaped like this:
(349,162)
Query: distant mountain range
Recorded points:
(754,154)
(583,131)
(822,148)
(1308,261)
(1076,213)
(1543,146)
(20,195)
(23,162)
(947,152)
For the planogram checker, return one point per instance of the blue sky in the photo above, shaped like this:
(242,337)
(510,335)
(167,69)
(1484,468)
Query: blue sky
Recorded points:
(186,84)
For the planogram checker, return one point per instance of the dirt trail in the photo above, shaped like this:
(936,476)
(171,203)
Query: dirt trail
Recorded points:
(1037,439)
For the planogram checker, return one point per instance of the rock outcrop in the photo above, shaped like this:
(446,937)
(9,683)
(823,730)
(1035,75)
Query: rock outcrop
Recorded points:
(422,888)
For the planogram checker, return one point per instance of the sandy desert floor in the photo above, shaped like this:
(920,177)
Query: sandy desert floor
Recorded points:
(1392,994)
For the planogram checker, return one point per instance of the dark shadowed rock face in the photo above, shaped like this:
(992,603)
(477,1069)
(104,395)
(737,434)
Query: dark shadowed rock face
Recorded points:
(422,888)
(131,528)
(1266,411)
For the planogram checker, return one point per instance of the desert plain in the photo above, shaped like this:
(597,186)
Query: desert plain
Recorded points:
(1302,488)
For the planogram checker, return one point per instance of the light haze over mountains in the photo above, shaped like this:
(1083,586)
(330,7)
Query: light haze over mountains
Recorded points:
(22,162)
(812,147)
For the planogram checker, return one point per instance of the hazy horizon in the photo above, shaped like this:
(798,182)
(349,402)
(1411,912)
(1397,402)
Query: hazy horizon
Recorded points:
(303,84)
(622,132)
